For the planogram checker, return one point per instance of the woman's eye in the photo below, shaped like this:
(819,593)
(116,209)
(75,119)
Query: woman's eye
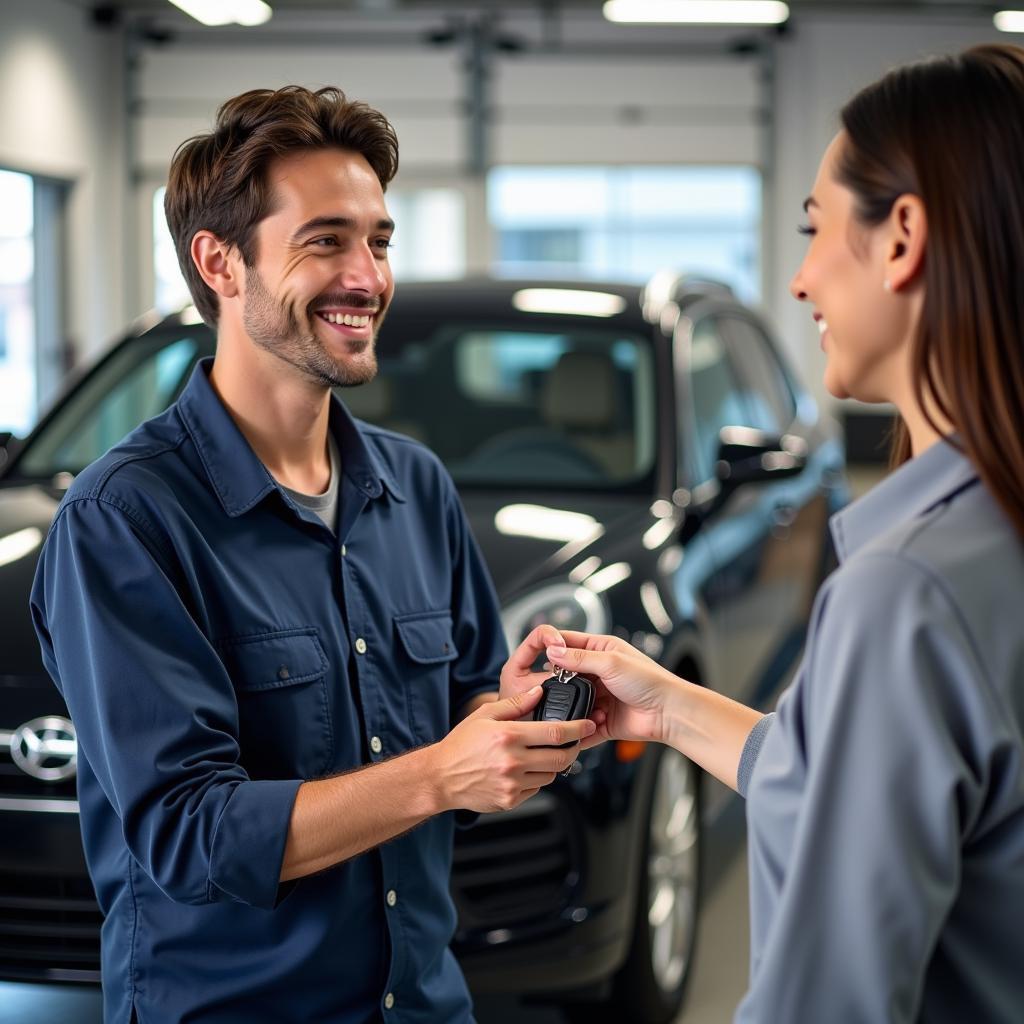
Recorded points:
(807,230)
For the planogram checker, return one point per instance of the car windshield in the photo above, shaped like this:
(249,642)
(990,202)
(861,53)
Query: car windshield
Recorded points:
(500,404)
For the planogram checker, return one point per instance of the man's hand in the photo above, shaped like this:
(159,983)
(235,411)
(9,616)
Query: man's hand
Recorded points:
(491,761)
(517,675)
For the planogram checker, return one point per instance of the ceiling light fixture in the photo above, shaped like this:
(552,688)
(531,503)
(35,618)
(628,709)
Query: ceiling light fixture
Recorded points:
(1009,21)
(696,12)
(226,12)
(570,301)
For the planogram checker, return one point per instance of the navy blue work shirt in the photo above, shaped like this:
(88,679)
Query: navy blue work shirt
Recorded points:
(217,645)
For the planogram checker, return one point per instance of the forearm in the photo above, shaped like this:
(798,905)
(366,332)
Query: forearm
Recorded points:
(338,818)
(709,728)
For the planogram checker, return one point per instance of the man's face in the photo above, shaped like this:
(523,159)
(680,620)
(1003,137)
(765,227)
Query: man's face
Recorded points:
(321,283)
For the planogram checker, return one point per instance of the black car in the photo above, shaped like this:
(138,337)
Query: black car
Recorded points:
(636,461)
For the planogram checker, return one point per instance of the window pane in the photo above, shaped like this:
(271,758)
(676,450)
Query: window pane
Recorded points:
(17,318)
(767,393)
(430,233)
(170,292)
(624,223)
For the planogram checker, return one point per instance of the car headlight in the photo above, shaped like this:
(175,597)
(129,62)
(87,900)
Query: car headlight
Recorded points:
(563,605)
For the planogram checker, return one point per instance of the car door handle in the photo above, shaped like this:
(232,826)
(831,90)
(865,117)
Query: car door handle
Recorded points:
(783,515)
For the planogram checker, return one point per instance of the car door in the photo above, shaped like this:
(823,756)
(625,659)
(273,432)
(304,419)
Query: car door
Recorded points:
(771,551)
(762,533)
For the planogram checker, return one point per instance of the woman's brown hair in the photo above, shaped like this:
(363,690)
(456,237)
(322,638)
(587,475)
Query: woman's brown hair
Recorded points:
(951,131)
(218,181)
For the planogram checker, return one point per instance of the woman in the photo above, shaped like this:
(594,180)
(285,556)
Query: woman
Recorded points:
(886,795)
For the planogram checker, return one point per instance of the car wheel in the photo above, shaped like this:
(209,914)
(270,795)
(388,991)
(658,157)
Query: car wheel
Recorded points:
(651,985)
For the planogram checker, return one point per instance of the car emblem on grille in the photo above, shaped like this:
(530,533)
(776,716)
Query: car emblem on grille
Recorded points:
(46,748)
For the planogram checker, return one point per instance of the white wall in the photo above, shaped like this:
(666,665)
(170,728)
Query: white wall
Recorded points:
(61,99)
(821,64)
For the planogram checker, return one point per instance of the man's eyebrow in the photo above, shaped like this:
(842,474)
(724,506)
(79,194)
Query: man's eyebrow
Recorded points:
(342,223)
(810,201)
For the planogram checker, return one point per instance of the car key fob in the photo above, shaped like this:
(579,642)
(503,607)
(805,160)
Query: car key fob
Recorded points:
(566,698)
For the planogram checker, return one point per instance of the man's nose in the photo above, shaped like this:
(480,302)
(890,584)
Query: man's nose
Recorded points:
(363,271)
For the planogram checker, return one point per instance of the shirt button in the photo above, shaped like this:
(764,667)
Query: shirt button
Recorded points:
(344,551)
(392,897)
(375,745)
(389,1001)
(360,646)
(282,672)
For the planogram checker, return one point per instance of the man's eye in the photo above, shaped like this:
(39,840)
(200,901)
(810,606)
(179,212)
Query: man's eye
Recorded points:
(383,243)
(326,241)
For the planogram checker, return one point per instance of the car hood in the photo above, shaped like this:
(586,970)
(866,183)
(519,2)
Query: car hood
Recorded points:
(25,517)
(526,539)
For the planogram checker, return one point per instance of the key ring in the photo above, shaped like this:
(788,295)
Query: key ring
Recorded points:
(563,675)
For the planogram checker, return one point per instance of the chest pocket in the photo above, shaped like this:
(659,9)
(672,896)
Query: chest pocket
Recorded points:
(283,714)
(427,648)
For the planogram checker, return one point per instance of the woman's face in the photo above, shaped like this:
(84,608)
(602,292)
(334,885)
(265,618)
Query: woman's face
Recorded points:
(843,278)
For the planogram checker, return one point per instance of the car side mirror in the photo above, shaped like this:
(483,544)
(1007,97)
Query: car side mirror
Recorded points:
(747,456)
(7,443)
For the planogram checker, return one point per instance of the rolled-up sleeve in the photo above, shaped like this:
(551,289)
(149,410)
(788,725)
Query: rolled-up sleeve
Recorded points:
(155,710)
(874,768)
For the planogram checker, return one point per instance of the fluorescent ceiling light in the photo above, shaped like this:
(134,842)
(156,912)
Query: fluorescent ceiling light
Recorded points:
(546,523)
(226,12)
(696,12)
(568,300)
(1009,21)
(18,544)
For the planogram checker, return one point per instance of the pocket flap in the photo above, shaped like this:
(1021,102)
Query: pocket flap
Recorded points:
(269,661)
(427,637)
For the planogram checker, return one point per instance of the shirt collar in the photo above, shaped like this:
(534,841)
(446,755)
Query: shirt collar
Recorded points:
(237,475)
(910,491)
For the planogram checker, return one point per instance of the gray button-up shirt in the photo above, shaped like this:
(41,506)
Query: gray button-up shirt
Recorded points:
(886,796)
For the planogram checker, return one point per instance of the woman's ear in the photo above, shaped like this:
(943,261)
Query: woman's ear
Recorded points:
(217,263)
(907,236)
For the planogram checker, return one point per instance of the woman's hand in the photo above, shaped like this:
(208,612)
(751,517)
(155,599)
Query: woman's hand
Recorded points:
(632,689)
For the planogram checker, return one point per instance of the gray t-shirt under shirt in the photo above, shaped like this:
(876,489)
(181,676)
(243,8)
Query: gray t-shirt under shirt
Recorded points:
(323,505)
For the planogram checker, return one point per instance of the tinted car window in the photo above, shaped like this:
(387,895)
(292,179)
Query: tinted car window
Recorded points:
(499,405)
(715,398)
(505,405)
(140,380)
(766,392)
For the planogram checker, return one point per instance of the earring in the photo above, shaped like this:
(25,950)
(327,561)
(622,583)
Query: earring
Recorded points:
(887,285)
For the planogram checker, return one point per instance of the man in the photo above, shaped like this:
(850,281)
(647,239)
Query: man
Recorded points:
(253,591)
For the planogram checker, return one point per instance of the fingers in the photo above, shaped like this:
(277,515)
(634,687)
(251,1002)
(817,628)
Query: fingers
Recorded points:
(595,663)
(593,641)
(511,708)
(522,658)
(555,734)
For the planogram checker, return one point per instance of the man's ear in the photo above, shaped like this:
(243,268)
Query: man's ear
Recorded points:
(217,262)
(906,241)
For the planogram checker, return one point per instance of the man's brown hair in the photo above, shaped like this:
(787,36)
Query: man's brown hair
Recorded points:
(218,181)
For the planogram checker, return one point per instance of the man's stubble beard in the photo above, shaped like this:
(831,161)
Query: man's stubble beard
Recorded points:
(275,328)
